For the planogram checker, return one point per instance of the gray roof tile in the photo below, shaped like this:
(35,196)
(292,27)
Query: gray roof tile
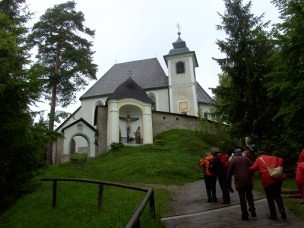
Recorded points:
(202,95)
(147,73)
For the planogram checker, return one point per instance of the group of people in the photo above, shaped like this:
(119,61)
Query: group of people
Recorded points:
(215,166)
(242,166)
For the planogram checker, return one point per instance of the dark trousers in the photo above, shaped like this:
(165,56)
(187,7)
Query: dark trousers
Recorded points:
(245,195)
(273,194)
(223,183)
(210,182)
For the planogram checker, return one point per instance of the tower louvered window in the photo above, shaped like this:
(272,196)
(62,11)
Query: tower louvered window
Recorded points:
(180,68)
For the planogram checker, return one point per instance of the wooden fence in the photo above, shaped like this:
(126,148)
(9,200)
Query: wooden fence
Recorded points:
(135,220)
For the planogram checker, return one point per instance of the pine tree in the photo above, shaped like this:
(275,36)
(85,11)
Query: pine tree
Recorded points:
(64,54)
(286,81)
(20,153)
(240,98)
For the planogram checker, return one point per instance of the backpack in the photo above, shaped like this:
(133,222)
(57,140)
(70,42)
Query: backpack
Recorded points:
(223,159)
(213,164)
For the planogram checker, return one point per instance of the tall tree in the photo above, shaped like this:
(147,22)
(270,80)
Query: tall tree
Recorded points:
(20,152)
(286,82)
(240,97)
(65,56)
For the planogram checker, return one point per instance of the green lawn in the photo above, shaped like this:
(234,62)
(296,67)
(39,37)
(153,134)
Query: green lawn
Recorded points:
(172,160)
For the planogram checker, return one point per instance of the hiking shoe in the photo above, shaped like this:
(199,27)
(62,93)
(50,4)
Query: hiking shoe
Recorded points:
(245,218)
(225,202)
(283,215)
(272,217)
(253,214)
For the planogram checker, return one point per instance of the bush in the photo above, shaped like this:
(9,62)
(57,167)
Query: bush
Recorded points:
(116,146)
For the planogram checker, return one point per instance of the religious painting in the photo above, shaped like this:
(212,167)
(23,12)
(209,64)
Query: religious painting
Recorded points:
(183,106)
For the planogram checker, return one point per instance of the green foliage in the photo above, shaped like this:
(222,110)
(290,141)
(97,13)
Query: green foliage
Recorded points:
(116,146)
(240,98)
(22,145)
(64,56)
(285,82)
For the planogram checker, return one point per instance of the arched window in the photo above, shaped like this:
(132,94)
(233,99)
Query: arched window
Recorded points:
(153,101)
(180,67)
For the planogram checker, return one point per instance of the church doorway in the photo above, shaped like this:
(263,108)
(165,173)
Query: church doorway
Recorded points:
(130,125)
(79,148)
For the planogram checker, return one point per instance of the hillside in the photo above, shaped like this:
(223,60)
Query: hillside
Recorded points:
(172,160)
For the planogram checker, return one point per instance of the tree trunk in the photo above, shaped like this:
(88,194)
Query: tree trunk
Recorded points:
(51,123)
(53,106)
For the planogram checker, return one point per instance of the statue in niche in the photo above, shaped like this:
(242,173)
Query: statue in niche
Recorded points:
(137,135)
(128,118)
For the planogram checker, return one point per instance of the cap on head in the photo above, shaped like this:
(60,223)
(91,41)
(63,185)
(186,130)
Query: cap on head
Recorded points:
(238,152)
(214,150)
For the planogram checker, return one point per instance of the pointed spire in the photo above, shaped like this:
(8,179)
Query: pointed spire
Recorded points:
(179,46)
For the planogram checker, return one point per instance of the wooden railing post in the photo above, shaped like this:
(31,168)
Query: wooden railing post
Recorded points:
(100,194)
(152,204)
(54,193)
(135,220)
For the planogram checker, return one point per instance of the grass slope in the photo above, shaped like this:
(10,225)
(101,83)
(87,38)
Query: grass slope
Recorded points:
(172,160)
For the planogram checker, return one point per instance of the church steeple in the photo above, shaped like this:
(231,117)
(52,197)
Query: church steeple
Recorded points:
(181,64)
(179,46)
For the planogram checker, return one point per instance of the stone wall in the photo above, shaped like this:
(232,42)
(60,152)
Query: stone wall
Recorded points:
(164,121)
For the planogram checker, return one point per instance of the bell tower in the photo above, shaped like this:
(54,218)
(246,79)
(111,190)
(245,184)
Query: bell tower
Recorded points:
(181,63)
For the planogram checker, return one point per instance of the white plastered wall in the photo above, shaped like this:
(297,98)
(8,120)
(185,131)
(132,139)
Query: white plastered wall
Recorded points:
(182,87)
(80,129)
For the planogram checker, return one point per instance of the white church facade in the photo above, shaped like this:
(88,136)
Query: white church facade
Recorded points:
(134,101)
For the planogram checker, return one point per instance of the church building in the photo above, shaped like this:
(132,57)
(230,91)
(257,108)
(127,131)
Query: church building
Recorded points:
(134,101)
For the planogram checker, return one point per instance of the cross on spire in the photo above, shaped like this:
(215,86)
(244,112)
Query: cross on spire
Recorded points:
(178,28)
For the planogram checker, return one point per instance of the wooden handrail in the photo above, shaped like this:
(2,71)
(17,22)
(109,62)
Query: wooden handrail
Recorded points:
(135,220)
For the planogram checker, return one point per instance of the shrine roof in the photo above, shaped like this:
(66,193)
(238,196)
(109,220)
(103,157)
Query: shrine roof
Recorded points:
(130,89)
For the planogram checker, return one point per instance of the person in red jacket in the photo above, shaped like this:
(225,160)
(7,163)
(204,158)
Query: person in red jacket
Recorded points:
(272,186)
(300,175)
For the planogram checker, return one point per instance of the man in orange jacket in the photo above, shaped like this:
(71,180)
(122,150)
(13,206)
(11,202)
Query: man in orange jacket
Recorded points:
(209,176)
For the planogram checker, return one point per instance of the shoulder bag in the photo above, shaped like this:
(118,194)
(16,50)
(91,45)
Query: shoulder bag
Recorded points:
(273,172)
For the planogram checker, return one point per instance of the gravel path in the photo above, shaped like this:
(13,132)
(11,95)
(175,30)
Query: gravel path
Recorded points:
(190,209)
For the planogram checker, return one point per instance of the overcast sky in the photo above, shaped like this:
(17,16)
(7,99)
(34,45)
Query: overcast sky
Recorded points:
(129,30)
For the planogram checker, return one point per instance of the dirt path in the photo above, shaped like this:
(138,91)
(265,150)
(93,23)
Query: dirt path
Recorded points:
(189,208)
